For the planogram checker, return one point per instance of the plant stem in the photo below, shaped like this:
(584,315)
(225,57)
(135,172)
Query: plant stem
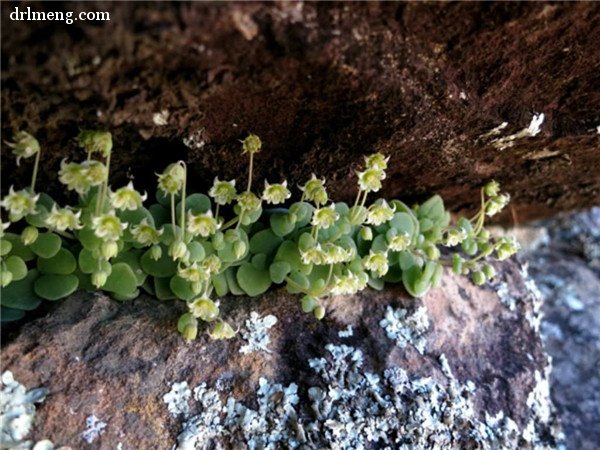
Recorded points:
(230,223)
(182,214)
(173,214)
(105,186)
(241,217)
(250,172)
(296,285)
(36,165)
(217,212)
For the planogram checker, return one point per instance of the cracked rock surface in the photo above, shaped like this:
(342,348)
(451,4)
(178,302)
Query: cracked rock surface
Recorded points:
(116,361)
(566,267)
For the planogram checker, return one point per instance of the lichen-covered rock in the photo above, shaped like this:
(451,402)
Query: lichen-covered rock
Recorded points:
(566,267)
(473,373)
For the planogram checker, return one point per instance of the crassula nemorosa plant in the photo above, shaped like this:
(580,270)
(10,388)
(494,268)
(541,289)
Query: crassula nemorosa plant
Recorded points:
(197,247)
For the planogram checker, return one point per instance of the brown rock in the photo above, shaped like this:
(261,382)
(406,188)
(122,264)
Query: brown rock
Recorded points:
(117,360)
(322,84)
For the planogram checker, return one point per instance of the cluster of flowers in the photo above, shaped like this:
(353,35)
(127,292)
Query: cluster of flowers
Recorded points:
(183,247)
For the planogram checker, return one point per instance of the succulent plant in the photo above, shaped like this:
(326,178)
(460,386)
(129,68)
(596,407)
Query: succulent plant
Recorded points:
(182,247)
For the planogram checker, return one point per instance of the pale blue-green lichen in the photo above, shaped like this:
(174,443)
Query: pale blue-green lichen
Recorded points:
(17,414)
(94,427)
(406,328)
(256,333)
(353,409)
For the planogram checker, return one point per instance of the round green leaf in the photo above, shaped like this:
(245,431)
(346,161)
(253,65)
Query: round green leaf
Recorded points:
(234,287)
(46,245)
(17,267)
(196,203)
(282,224)
(288,252)
(163,290)
(164,267)
(20,294)
(63,263)
(39,218)
(90,262)
(18,248)
(10,314)
(160,214)
(264,241)
(88,239)
(181,288)
(132,259)
(122,280)
(54,287)
(197,252)
(5,247)
(219,282)
(252,280)
(278,271)
(126,297)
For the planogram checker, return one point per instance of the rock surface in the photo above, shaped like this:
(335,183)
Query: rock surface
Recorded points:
(450,90)
(112,363)
(567,270)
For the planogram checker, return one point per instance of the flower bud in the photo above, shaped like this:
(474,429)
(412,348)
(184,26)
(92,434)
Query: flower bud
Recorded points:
(222,330)
(478,277)
(178,250)
(319,312)
(239,249)
(29,235)
(155,252)
(109,249)
(366,233)
(188,326)
(488,271)
(190,332)
(95,141)
(205,309)
(457,264)
(491,189)
(252,144)
(99,279)
(25,145)
(432,252)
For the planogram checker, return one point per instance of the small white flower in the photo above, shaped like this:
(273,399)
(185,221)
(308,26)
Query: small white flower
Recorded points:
(376,262)
(497,204)
(25,146)
(399,243)
(211,264)
(377,161)
(248,202)
(314,255)
(380,213)
(146,234)
(223,192)
(108,227)
(193,273)
(370,180)
(172,179)
(325,217)
(314,190)
(203,224)
(349,283)
(19,203)
(127,198)
(63,219)
(276,193)
(334,254)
